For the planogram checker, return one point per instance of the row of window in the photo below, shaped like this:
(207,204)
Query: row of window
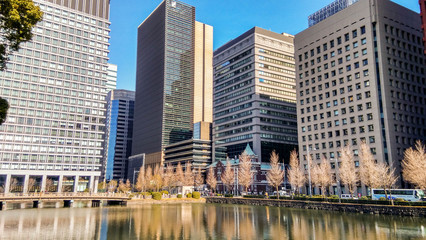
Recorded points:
(42,167)
(52,132)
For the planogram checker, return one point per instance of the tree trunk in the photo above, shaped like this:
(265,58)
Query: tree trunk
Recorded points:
(278,194)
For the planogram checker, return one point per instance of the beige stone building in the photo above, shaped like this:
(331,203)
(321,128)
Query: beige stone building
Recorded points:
(361,77)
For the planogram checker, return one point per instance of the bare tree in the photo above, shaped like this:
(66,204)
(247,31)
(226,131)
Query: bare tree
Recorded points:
(198,177)
(245,175)
(149,178)
(414,165)
(168,177)
(112,185)
(13,184)
(275,176)
(296,177)
(49,185)
(368,167)
(387,178)
(227,176)
(31,183)
(157,178)
(211,179)
(189,178)
(347,171)
(141,180)
(321,175)
(179,175)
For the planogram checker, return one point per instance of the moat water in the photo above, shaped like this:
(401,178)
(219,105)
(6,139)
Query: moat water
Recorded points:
(203,221)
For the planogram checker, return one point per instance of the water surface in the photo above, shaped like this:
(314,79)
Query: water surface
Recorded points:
(203,221)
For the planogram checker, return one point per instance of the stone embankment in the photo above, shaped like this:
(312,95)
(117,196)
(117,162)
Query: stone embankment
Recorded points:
(327,206)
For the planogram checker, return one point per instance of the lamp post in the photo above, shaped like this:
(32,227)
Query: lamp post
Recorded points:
(337,178)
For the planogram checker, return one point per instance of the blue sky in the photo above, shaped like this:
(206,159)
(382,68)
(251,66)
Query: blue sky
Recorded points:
(229,18)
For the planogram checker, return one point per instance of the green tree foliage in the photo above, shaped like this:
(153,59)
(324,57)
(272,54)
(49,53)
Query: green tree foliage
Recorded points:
(17,18)
(4,106)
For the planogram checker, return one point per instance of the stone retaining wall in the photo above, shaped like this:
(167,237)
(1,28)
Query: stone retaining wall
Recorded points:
(341,207)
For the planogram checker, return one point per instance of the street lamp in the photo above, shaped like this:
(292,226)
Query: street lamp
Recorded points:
(337,178)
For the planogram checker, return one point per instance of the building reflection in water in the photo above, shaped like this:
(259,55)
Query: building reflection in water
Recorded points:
(203,221)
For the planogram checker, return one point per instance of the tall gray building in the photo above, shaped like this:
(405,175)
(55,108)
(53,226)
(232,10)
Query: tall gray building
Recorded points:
(119,131)
(173,79)
(254,98)
(361,77)
(55,85)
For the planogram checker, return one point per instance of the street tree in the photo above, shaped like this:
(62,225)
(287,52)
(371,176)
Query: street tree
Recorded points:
(157,178)
(387,178)
(141,180)
(112,185)
(179,176)
(188,177)
(347,172)
(4,106)
(149,178)
(368,167)
(31,183)
(275,175)
(198,177)
(296,177)
(321,175)
(245,175)
(227,176)
(168,177)
(17,18)
(211,179)
(49,185)
(414,165)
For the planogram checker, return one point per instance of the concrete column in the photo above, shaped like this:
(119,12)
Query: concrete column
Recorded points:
(60,183)
(91,180)
(43,183)
(95,185)
(26,179)
(7,184)
(76,183)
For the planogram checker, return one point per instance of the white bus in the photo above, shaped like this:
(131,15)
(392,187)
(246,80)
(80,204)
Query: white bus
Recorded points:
(411,195)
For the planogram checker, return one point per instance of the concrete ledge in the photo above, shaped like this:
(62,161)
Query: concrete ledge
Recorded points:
(327,206)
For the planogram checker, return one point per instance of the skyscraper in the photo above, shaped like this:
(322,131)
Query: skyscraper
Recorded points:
(56,88)
(111,77)
(119,130)
(361,77)
(255,94)
(173,79)
(423,17)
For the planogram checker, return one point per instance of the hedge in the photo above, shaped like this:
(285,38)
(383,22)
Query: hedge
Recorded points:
(179,196)
(156,196)
(196,195)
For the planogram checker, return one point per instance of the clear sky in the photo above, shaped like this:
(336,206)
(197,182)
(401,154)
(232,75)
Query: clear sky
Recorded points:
(229,18)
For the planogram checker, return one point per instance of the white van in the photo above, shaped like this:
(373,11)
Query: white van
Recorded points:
(347,196)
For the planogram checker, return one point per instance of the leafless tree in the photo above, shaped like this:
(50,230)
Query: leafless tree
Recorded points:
(180,176)
(321,175)
(13,184)
(141,180)
(112,185)
(198,177)
(296,177)
(211,179)
(245,175)
(275,175)
(227,176)
(189,178)
(168,177)
(31,183)
(387,178)
(157,178)
(347,171)
(149,178)
(368,167)
(414,165)
(49,185)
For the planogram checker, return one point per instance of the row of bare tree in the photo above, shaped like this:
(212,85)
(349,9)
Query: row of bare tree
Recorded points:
(370,173)
(168,178)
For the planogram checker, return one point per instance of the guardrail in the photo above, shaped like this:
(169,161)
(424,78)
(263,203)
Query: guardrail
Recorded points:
(88,196)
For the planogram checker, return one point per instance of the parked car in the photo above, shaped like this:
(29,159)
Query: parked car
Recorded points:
(347,196)
(282,193)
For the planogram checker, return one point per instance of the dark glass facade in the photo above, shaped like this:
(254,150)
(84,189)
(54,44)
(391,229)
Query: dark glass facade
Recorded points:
(164,79)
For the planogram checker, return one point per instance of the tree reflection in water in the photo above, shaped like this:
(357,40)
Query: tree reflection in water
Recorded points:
(203,221)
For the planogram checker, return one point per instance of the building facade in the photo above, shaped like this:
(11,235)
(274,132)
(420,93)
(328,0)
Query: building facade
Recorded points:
(173,79)
(111,77)
(423,18)
(56,87)
(255,94)
(361,77)
(119,132)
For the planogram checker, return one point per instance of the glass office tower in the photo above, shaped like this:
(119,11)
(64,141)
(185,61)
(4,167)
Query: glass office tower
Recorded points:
(56,87)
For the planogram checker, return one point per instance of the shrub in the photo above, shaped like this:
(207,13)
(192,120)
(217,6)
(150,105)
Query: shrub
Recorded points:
(156,196)
(145,193)
(218,195)
(189,195)
(229,195)
(382,199)
(334,197)
(364,198)
(196,195)
(164,192)
(254,196)
(179,196)
(399,200)
(131,196)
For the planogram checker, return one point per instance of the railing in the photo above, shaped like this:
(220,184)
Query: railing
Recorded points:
(63,195)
